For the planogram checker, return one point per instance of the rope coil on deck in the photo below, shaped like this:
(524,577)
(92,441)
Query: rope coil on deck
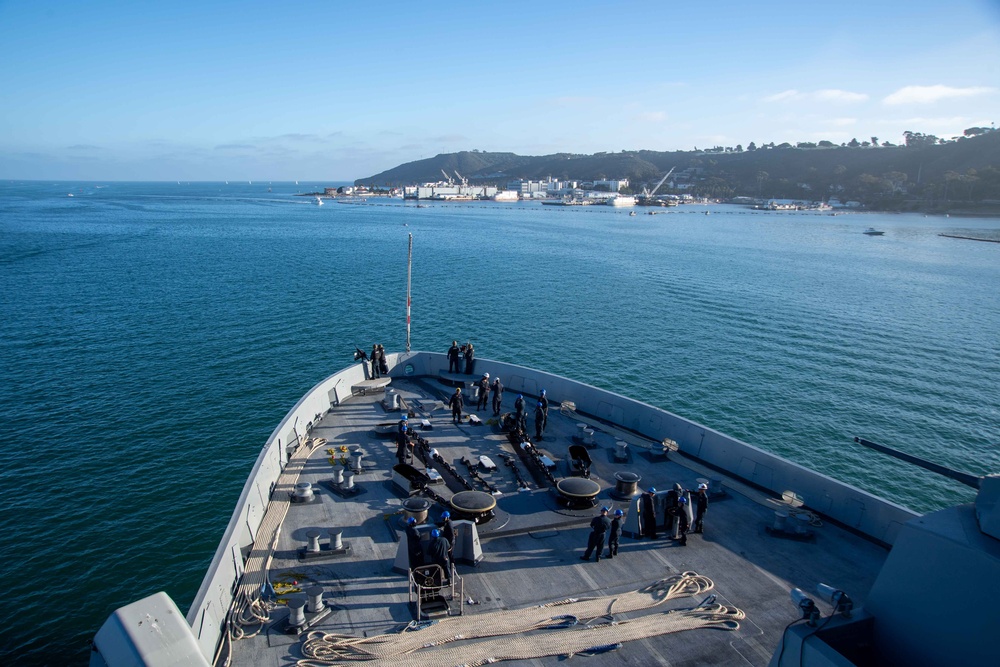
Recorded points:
(592,639)
(326,648)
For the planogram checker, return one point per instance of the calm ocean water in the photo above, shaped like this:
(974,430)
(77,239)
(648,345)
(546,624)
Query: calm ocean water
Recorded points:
(153,334)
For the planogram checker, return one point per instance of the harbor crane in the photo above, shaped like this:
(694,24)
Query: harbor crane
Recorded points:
(447,177)
(461,178)
(650,194)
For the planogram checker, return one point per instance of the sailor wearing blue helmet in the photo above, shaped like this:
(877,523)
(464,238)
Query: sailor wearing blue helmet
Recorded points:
(682,516)
(497,391)
(599,527)
(448,531)
(615,534)
(539,420)
(520,417)
(439,551)
(404,449)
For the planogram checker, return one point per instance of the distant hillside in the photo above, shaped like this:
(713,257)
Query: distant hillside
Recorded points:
(919,175)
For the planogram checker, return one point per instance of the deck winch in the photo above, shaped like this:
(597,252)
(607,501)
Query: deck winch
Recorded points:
(475,506)
(626,485)
(578,492)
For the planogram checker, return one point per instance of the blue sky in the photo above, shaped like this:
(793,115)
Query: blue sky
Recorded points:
(104,90)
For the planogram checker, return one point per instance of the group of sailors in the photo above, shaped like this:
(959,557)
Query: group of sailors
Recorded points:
(440,548)
(457,354)
(676,502)
(378,363)
(676,509)
(606,528)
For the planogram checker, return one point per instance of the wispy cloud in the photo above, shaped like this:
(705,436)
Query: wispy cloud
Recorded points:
(651,116)
(235,147)
(450,137)
(824,95)
(835,95)
(929,94)
(83,147)
(783,96)
(843,122)
(572,101)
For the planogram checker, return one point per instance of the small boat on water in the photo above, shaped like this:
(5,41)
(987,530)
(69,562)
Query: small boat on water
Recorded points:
(319,202)
(871,231)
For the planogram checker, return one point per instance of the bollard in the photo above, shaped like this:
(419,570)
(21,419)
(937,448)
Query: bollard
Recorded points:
(588,437)
(349,480)
(313,536)
(356,460)
(391,400)
(780,519)
(315,596)
(621,450)
(303,491)
(338,474)
(336,539)
(297,615)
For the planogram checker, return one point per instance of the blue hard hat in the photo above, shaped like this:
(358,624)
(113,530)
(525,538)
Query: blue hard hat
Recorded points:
(435,533)
(403,427)
(539,404)
(619,513)
(446,514)
(604,509)
(652,489)
(520,396)
(682,500)
(411,521)
(543,392)
(405,418)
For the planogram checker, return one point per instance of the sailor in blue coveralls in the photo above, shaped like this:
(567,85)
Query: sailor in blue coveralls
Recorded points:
(599,528)
(615,534)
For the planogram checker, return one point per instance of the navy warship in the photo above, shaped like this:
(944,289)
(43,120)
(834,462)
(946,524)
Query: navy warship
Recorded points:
(791,567)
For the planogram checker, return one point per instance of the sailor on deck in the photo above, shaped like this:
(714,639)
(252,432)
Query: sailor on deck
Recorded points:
(539,420)
(456,404)
(470,359)
(520,418)
(439,551)
(403,446)
(484,392)
(599,527)
(448,532)
(497,390)
(615,534)
(682,516)
(701,506)
(454,357)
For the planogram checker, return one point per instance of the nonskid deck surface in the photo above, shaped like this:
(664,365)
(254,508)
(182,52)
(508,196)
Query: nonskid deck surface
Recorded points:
(532,549)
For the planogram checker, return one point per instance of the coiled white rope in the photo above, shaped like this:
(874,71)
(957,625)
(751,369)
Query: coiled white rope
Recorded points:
(328,647)
(591,639)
